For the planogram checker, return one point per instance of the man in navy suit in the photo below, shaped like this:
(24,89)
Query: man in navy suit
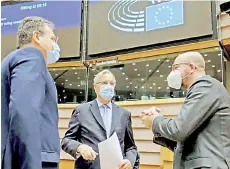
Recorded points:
(29,113)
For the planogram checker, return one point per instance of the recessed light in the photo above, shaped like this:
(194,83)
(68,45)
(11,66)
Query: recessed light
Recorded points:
(209,61)
(142,79)
(167,60)
(126,78)
(142,87)
(127,86)
(74,68)
(75,73)
(62,83)
(130,94)
(216,48)
(154,84)
(56,74)
(158,71)
(169,66)
(54,69)
(78,85)
(150,70)
(205,54)
(80,92)
(65,97)
(167,88)
(135,87)
(219,54)
(66,80)
(135,69)
(213,66)
(147,65)
(161,76)
(131,83)
(138,75)
(218,70)
(134,63)
(159,60)
(63,90)
(70,84)
(159,87)
(151,87)
(78,78)
(123,73)
(121,68)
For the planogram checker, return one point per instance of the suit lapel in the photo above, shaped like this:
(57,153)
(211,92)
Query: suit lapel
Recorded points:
(116,112)
(96,113)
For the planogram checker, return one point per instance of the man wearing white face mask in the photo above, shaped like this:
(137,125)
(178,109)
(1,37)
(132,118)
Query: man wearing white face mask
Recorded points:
(29,113)
(96,121)
(200,134)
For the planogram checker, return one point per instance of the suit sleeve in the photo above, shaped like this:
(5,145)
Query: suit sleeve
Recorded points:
(26,101)
(171,145)
(130,147)
(200,104)
(69,143)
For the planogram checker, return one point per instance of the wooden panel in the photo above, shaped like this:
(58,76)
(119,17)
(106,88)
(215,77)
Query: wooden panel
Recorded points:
(150,158)
(143,134)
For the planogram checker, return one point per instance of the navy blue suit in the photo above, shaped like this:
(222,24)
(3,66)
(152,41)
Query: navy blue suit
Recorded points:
(29,113)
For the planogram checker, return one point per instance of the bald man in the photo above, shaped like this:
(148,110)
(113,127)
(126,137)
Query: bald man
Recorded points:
(200,134)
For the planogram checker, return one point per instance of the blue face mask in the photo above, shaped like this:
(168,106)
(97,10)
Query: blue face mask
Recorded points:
(53,55)
(107,92)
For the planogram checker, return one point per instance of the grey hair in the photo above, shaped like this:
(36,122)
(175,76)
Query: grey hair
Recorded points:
(28,26)
(98,76)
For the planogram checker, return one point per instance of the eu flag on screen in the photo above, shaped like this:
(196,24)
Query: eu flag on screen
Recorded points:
(164,15)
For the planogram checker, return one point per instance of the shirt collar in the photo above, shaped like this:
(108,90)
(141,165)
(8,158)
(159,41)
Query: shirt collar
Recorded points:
(101,104)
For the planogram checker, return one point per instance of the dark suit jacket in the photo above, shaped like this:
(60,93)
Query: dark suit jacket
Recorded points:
(86,127)
(29,114)
(202,128)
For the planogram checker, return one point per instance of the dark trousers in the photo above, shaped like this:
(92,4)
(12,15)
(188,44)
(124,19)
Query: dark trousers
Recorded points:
(47,165)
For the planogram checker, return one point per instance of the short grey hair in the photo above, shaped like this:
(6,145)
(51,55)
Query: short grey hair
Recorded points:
(98,76)
(28,26)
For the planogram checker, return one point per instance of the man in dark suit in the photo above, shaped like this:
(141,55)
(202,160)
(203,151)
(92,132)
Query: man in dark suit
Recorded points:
(29,114)
(96,121)
(200,134)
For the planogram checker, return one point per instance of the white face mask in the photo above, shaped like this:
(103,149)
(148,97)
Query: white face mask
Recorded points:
(175,79)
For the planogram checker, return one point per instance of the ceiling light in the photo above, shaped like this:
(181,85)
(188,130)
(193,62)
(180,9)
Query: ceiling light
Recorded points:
(159,60)
(159,87)
(218,70)
(169,66)
(165,80)
(142,79)
(78,85)
(154,84)
(66,80)
(216,48)
(150,70)
(209,61)
(56,74)
(205,54)
(70,84)
(127,86)
(54,69)
(158,71)
(63,90)
(80,92)
(121,68)
(135,87)
(78,78)
(167,88)
(161,75)
(147,65)
(74,68)
(135,69)
(62,83)
(151,87)
(65,97)
(138,75)
(219,54)
(142,87)
(167,60)
(126,78)
(131,83)
(130,94)
(134,63)
(213,66)
(123,73)
(75,73)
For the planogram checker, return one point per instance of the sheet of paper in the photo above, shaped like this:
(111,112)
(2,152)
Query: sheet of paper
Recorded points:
(110,153)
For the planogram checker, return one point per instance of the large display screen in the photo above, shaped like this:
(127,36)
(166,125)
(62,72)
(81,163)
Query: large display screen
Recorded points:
(66,16)
(124,24)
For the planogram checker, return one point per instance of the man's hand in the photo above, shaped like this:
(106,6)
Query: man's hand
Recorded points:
(149,115)
(87,152)
(126,164)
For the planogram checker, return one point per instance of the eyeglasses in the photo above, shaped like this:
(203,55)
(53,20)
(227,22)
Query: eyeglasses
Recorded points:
(107,83)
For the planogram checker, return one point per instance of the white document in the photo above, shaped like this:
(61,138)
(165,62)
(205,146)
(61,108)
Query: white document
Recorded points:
(110,153)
